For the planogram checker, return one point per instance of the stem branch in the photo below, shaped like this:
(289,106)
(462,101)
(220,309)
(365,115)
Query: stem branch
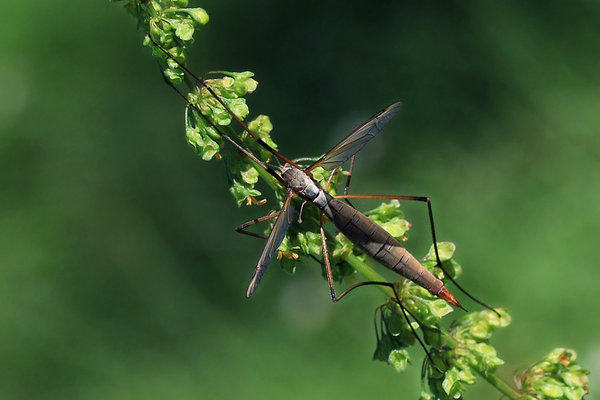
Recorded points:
(502,386)
(365,270)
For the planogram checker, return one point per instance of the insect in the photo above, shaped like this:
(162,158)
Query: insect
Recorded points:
(372,239)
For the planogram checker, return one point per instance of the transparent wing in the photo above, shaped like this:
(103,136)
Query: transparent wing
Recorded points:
(275,238)
(356,140)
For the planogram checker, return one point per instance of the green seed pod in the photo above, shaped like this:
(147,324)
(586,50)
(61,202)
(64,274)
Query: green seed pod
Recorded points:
(199,15)
(241,192)
(184,29)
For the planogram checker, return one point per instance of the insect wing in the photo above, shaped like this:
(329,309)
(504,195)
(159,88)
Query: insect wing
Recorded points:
(275,238)
(356,140)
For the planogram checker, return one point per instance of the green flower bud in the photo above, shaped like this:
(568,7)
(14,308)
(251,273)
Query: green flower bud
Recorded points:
(250,175)
(310,243)
(398,359)
(241,192)
(452,384)
(556,376)
(396,227)
(439,308)
(184,29)
(550,390)
(445,250)
(261,126)
(199,15)
(320,175)
(343,246)
(174,75)
(386,211)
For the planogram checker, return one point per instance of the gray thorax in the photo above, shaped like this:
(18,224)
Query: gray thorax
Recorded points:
(304,186)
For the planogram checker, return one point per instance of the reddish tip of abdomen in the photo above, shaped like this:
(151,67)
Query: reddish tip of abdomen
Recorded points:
(449,297)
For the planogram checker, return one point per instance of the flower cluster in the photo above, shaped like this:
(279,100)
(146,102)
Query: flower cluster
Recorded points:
(556,376)
(171,24)
(459,354)
(466,353)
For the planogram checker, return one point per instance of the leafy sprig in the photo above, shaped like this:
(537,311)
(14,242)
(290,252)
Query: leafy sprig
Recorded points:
(461,353)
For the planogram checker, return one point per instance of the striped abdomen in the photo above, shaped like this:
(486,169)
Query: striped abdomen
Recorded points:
(380,245)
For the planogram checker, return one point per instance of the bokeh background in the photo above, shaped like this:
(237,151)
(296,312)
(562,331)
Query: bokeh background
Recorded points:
(121,276)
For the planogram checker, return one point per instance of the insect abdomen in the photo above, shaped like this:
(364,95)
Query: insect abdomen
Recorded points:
(380,245)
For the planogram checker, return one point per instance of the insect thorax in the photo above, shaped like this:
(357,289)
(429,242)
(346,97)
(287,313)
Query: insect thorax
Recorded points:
(301,183)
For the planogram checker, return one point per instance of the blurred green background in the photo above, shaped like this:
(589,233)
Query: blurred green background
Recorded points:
(121,276)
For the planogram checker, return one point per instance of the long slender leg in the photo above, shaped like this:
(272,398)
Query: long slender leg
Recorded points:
(241,228)
(331,175)
(432,226)
(347,188)
(327,264)
(225,106)
(336,298)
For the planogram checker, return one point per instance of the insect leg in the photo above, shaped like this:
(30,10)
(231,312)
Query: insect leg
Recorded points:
(225,106)
(347,188)
(405,312)
(336,298)
(432,226)
(331,175)
(241,228)
(327,264)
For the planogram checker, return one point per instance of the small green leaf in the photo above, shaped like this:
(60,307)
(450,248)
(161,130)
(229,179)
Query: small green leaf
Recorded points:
(439,308)
(445,250)
(250,175)
(199,15)
(184,29)
(343,246)
(497,321)
(319,174)
(310,243)
(204,146)
(451,383)
(241,192)
(398,359)
(485,357)
(262,127)
(174,75)
(571,393)
(575,379)
(550,390)
(396,227)
(386,211)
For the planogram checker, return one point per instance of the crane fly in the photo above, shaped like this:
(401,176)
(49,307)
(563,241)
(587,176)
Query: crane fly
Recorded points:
(372,239)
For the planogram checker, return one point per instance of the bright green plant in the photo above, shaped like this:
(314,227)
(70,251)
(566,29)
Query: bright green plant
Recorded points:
(461,353)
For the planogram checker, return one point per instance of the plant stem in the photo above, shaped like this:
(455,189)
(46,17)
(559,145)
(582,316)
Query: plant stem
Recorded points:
(364,269)
(501,386)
